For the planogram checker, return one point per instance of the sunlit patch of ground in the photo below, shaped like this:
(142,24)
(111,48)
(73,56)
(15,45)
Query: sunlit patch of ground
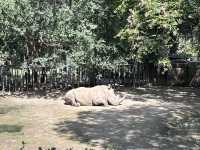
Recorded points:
(150,118)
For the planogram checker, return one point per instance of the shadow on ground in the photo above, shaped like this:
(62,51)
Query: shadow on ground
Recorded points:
(173,125)
(5,109)
(174,94)
(10,128)
(144,128)
(46,94)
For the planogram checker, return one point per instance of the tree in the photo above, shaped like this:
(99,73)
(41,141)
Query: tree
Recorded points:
(96,33)
(44,32)
(152,29)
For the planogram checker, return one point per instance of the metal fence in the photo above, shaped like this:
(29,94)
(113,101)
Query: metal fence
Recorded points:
(18,79)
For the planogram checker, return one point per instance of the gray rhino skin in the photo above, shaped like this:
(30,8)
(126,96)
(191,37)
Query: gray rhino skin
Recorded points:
(95,96)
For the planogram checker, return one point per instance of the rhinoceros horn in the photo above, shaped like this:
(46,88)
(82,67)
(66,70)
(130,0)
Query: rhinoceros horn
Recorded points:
(121,99)
(115,100)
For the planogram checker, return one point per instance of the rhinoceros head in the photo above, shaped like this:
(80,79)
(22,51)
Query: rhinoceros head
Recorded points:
(114,99)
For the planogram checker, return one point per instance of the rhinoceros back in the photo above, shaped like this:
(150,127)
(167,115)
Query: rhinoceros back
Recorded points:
(99,95)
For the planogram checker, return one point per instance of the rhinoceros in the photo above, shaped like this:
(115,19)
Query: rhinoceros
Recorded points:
(96,96)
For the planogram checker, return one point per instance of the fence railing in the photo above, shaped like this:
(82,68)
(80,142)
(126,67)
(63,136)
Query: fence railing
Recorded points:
(18,79)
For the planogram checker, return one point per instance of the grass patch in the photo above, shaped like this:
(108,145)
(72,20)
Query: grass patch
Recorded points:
(6,109)
(10,128)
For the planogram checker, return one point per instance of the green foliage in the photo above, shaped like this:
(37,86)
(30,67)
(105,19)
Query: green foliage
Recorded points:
(45,32)
(152,28)
(10,128)
(96,33)
(165,62)
(155,29)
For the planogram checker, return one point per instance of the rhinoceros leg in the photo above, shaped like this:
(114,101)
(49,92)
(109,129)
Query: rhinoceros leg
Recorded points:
(72,102)
(70,99)
(100,101)
(76,104)
(67,101)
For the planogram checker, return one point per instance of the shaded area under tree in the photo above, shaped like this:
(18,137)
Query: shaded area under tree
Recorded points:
(174,124)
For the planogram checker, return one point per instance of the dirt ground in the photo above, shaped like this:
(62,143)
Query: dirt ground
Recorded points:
(155,118)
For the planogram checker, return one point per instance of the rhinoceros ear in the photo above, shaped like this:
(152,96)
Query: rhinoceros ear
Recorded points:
(109,86)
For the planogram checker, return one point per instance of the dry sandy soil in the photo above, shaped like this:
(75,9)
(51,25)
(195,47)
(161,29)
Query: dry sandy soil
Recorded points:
(160,118)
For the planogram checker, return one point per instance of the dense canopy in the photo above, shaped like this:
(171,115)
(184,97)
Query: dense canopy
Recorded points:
(98,33)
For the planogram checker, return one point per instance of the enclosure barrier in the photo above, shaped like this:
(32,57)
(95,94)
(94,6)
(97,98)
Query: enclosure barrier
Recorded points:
(18,79)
